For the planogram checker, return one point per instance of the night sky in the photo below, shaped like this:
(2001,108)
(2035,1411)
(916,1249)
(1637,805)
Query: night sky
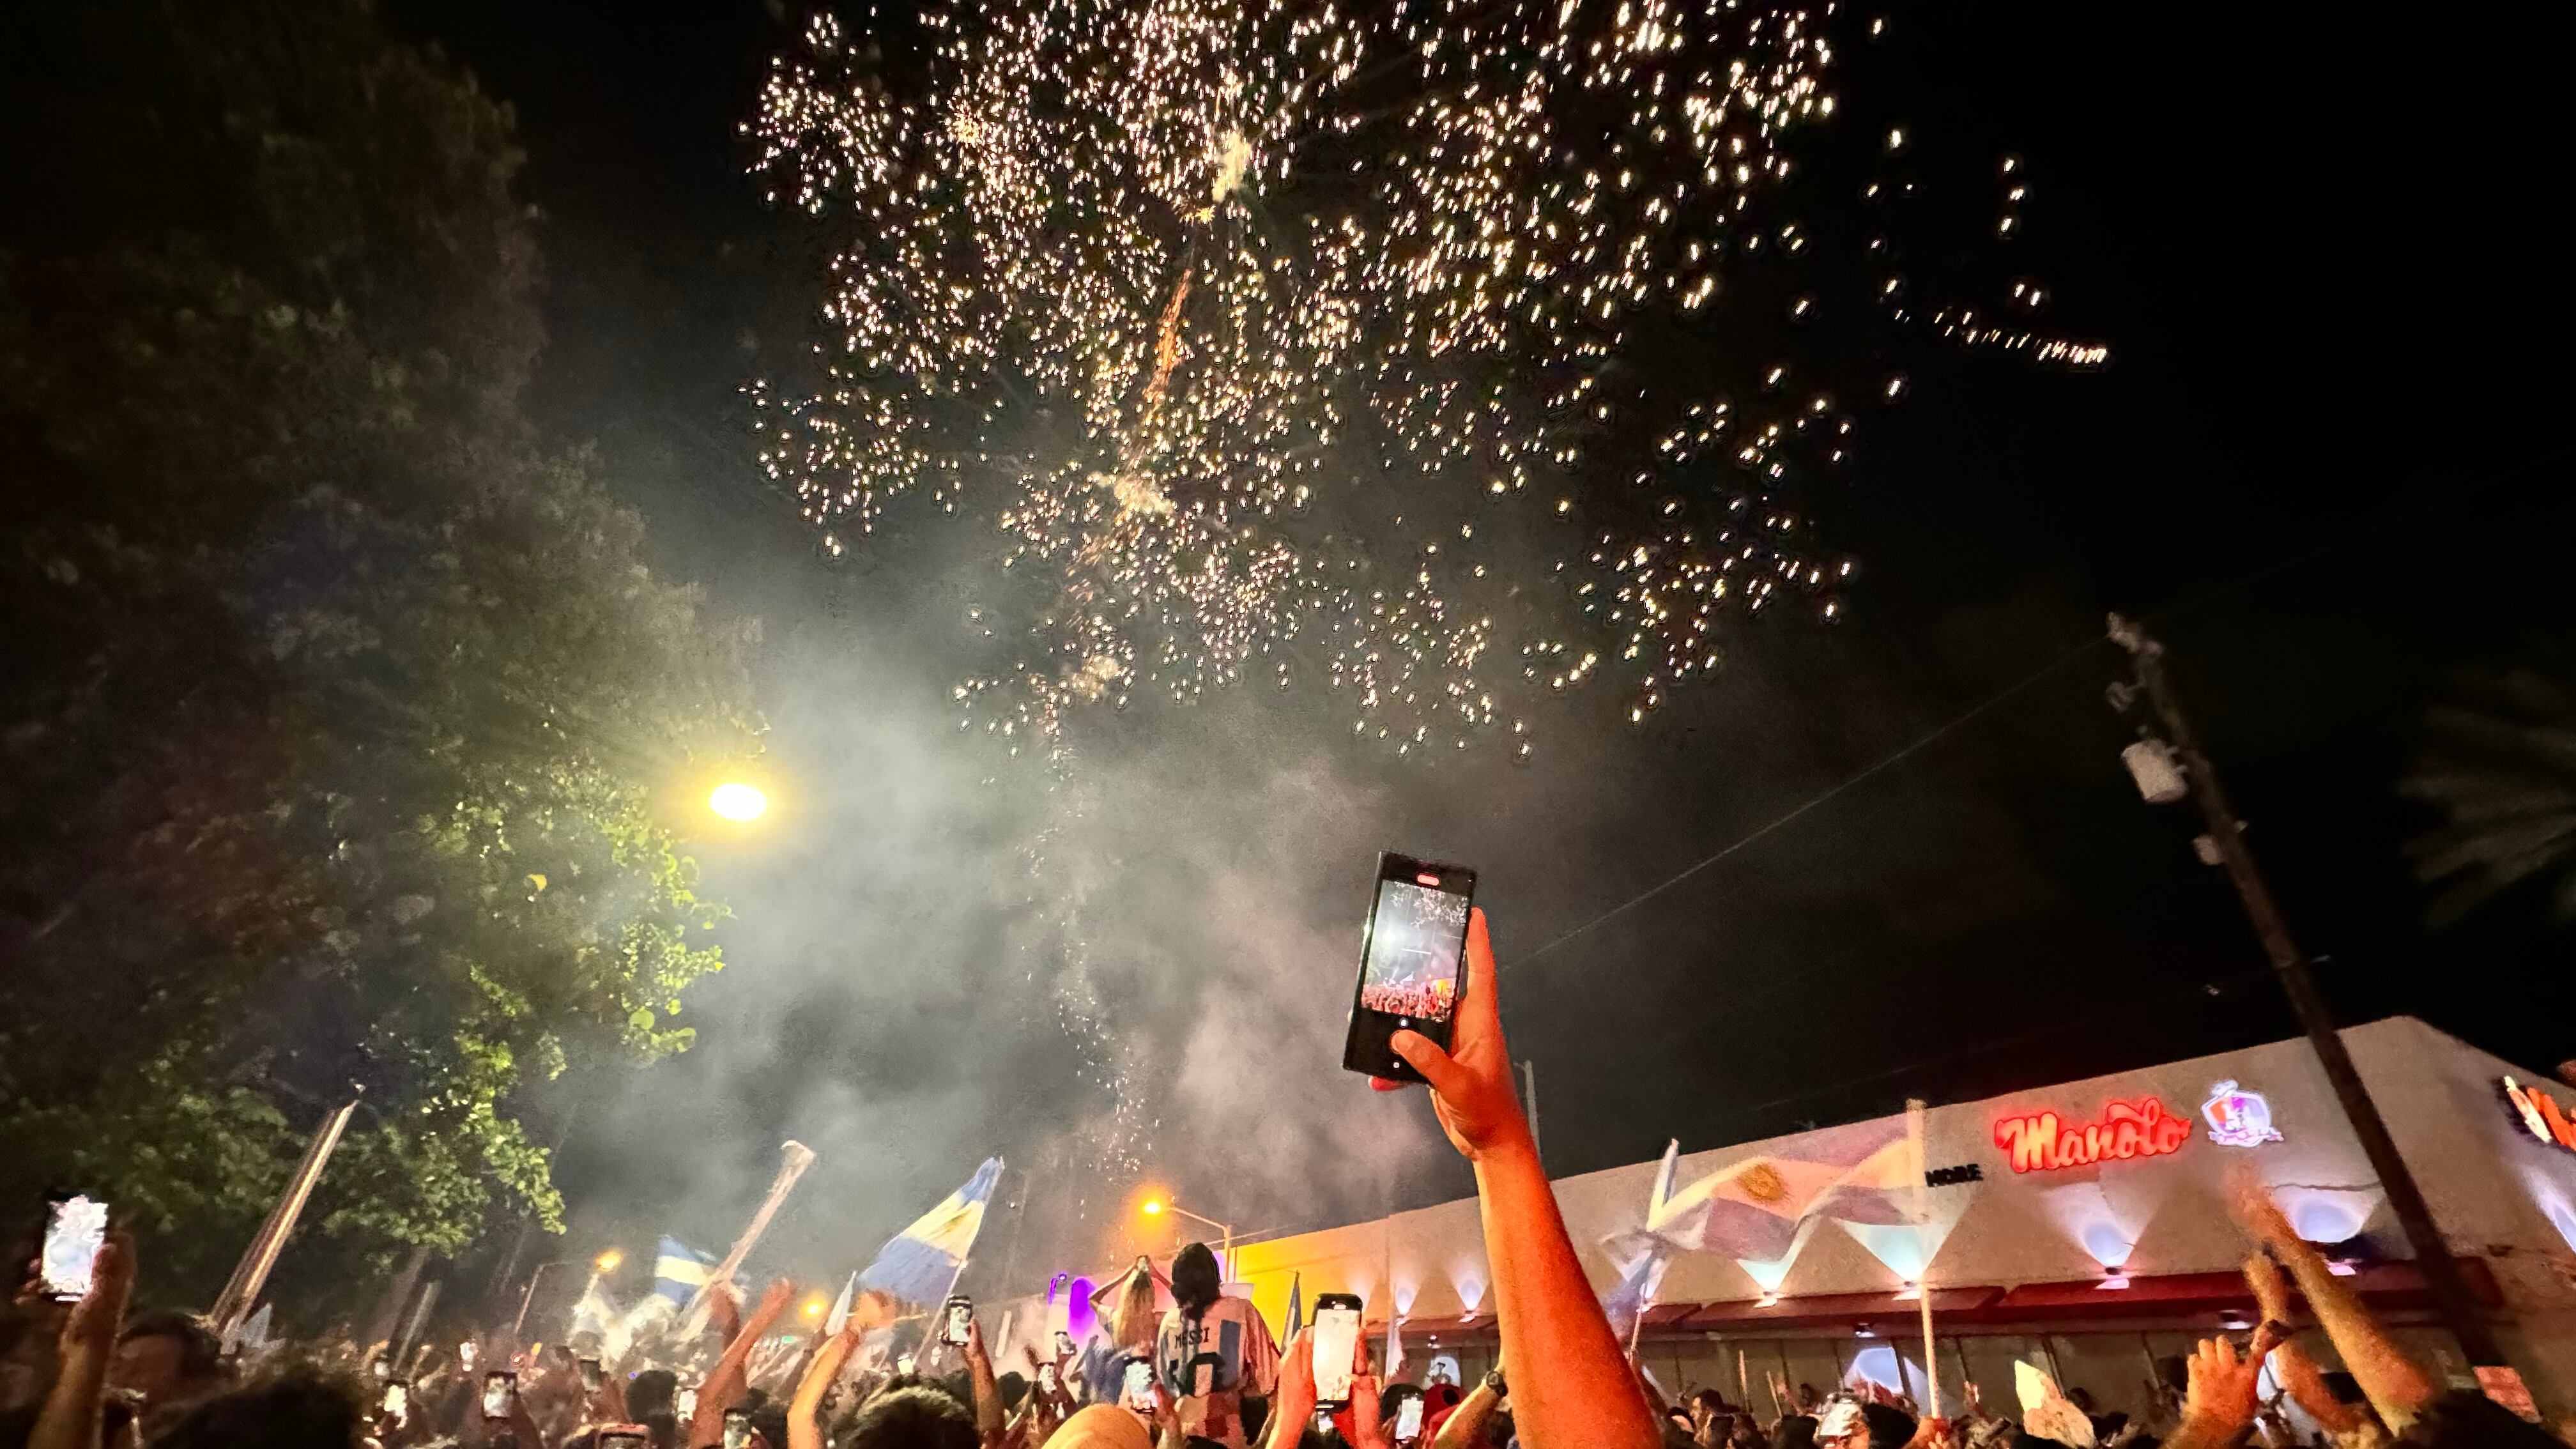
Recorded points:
(2292,470)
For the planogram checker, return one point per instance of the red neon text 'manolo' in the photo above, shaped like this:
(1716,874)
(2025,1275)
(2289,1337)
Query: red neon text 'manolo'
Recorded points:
(2040,1142)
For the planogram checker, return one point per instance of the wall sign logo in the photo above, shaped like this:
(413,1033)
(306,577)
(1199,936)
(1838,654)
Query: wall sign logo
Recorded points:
(2040,1142)
(2540,1114)
(2238,1118)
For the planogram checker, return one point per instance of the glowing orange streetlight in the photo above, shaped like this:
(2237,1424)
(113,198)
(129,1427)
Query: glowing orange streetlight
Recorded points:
(1156,1204)
(816,1305)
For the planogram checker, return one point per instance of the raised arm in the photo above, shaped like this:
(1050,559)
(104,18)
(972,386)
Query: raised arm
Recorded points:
(72,1414)
(1574,1389)
(2393,1383)
(988,1389)
(726,1383)
(1465,1426)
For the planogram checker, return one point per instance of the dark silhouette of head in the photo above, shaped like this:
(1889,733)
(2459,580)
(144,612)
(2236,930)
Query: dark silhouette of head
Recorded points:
(913,1418)
(1195,1280)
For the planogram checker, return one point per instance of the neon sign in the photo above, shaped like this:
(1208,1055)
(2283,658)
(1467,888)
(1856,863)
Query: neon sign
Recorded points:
(2040,1142)
(2540,1114)
(2238,1118)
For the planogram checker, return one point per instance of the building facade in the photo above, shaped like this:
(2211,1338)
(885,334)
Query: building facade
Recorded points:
(2081,1227)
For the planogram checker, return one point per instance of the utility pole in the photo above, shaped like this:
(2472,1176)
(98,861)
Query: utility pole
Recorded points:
(2226,839)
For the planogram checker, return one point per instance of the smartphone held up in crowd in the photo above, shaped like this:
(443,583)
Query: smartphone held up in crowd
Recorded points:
(500,1387)
(1337,1348)
(1413,962)
(1138,1391)
(957,1318)
(75,1229)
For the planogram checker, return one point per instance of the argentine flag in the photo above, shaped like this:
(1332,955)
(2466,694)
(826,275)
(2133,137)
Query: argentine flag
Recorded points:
(919,1263)
(679,1270)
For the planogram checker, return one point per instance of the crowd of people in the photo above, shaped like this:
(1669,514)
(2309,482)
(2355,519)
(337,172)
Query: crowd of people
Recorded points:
(94,1373)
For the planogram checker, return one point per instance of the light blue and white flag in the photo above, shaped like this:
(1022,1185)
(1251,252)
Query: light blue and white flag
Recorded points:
(918,1264)
(679,1270)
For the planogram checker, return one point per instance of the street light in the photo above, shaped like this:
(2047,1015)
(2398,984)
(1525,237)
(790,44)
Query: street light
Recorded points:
(737,801)
(1155,1205)
(606,1263)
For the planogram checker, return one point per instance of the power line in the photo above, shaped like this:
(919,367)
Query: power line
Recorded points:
(2206,596)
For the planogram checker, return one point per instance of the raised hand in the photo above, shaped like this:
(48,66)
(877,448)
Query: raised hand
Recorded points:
(2220,1402)
(1471,1082)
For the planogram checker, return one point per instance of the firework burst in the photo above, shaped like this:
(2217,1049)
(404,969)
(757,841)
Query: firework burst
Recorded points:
(1446,354)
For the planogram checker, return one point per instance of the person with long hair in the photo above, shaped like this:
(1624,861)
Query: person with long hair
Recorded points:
(1212,1352)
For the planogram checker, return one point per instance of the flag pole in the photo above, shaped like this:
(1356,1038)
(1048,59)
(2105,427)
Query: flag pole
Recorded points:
(251,1274)
(794,1158)
(1915,1113)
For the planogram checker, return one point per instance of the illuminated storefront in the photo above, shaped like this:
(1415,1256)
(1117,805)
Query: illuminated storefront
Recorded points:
(2081,1227)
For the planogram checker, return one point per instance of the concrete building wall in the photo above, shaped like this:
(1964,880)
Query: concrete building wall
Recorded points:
(2498,1194)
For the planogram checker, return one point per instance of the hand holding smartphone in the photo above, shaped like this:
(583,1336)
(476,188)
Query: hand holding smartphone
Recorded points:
(1337,1348)
(1413,963)
(500,1393)
(1138,1392)
(957,1317)
(75,1229)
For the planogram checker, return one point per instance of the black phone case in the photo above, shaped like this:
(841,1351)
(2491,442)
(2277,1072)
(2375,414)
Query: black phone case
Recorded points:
(1364,1045)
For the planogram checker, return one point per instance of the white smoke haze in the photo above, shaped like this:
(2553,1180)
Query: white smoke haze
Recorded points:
(1118,970)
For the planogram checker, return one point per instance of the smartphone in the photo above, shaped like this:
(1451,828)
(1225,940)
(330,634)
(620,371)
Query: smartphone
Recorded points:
(1408,1420)
(686,1403)
(75,1229)
(1413,962)
(397,1400)
(905,1363)
(1139,1391)
(1046,1378)
(1063,1344)
(737,1428)
(465,1355)
(381,1367)
(500,1386)
(961,1317)
(1337,1348)
(624,1436)
(589,1370)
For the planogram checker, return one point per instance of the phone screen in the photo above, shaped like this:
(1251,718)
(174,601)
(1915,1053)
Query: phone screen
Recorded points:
(961,1315)
(1337,1345)
(1140,1385)
(1063,1344)
(1413,963)
(687,1403)
(465,1354)
(498,1387)
(1408,1420)
(75,1231)
(1046,1377)
(737,1428)
(397,1397)
(589,1370)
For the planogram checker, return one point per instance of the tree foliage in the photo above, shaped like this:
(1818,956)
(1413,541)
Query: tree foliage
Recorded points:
(343,730)
(2501,767)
